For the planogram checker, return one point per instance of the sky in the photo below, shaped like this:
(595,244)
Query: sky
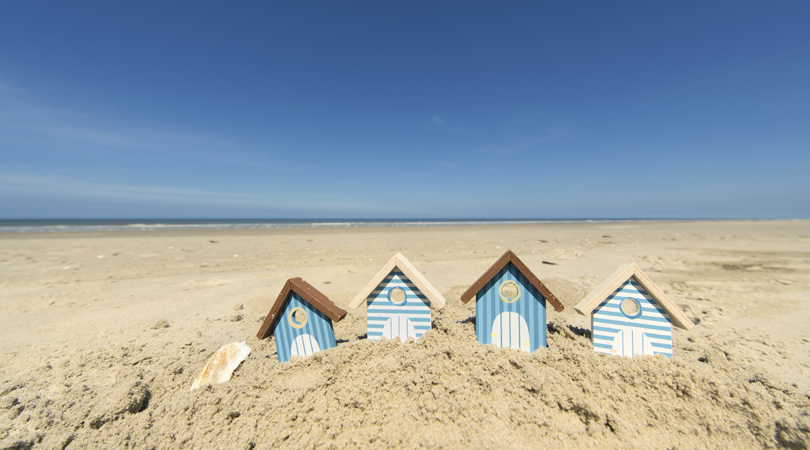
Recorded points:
(439,109)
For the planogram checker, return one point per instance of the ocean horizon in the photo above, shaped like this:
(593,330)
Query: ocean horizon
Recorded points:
(69,225)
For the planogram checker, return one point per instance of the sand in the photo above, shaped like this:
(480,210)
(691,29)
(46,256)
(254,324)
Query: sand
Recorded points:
(103,334)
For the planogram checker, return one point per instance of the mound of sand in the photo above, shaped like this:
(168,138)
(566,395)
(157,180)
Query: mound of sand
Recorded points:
(444,390)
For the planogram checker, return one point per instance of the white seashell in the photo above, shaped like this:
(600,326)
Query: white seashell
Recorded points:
(221,365)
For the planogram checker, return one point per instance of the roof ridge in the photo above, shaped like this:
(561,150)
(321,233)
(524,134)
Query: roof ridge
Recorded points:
(399,261)
(510,257)
(308,292)
(624,273)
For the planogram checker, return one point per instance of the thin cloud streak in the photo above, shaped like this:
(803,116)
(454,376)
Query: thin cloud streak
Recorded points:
(29,123)
(14,185)
(550,136)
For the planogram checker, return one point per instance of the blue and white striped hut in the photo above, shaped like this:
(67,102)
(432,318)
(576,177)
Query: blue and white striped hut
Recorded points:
(301,320)
(510,305)
(399,300)
(631,316)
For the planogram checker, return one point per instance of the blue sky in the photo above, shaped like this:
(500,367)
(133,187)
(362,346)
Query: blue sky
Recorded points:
(404,110)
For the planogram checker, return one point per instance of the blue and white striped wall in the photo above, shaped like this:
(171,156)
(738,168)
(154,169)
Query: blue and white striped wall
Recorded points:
(388,319)
(317,334)
(521,324)
(616,333)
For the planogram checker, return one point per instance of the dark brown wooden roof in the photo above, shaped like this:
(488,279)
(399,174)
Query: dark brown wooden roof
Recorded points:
(308,293)
(507,258)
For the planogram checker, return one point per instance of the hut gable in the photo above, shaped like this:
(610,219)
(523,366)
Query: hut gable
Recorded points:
(399,300)
(301,320)
(510,307)
(631,316)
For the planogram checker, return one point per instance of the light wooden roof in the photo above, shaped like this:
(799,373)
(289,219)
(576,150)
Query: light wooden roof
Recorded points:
(622,274)
(506,258)
(308,293)
(400,262)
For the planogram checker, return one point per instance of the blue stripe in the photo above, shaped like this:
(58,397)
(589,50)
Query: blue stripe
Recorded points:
(631,324)
(615,299)
(602,312)
(659,336)
(633,290)
(415,305)
(383,292)
(609,335)
(659,345)
(598,345)
(414,319)
(604,337)
(383,295)
(425,312)
(384,302)
(605,329)
(615,306)
(419,319)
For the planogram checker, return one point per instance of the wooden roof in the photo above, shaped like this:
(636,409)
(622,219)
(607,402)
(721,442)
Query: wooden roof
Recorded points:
(619,277)
(308,293)
(400,262)
(507,258)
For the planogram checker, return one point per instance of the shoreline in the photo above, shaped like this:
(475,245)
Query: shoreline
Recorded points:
(295,230)
(12,226)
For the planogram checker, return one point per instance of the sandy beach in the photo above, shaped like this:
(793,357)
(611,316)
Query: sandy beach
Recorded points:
(103,334)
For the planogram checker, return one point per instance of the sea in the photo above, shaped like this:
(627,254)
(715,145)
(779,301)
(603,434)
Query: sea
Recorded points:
(63,225)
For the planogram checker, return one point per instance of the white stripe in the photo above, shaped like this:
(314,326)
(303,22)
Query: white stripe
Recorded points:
(646,311)
(599,319)
(384,298)
(395,283)
(389,306)
(514,331)
(383,294)
(608,339)
(408,316)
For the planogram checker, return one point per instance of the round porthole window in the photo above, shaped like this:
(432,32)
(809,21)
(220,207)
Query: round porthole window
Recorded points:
(630,307)
(397,296)
(297,317)
(509,291)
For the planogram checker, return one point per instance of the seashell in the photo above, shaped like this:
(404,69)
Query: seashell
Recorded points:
(221,365)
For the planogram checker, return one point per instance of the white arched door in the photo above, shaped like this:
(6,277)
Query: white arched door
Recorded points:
(630,342)
(400,327)
(304,345)
(509,330)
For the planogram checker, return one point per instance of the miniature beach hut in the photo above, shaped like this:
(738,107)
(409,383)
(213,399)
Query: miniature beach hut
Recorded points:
(399,300)
(510,305)
(631,316)
(301,320)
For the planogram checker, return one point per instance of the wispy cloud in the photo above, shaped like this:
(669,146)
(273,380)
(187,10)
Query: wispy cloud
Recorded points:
(85,135)
(27,121)
(548,137)
(56,187)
